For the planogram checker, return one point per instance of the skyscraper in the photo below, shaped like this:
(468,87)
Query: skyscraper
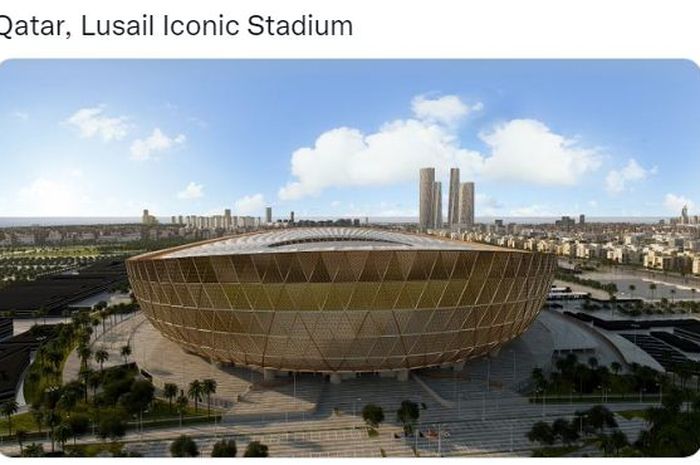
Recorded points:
(268,215)
(437,205)
(426,218)
(453,200)
(466,204)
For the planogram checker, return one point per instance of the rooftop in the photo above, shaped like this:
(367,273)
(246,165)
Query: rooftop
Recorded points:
(321,239)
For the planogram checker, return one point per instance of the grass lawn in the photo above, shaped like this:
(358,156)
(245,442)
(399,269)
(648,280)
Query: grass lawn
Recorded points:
(92,450)
(630,414)
(23,421)
(554,451)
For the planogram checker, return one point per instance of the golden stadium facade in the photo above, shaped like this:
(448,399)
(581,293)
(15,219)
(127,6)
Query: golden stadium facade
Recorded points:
(339,300)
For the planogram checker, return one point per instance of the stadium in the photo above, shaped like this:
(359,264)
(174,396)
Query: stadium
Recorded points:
(340,300)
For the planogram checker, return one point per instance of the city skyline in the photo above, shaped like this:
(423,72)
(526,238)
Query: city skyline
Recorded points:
(542,138)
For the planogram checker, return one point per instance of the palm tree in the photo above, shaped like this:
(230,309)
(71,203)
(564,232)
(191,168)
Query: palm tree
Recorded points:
(195,392)
(21,435)
(84,353)
(63,433)
(652,288)
(616,367)
(38,415)
(9,408)
(170,391)
(673,294)
(126,351)
(101,356)
(632,288)
(209,388)
(53,420)
(181,404)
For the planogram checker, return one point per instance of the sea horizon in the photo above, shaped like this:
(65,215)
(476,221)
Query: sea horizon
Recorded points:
(45,221)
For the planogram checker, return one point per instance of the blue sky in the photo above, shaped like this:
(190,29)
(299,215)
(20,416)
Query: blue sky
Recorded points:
(540,138)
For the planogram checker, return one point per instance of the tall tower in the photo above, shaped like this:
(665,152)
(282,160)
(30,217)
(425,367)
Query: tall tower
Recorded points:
(437,205)
(268,215)
(426,219)
(684,215)
(466,204)
(453,200)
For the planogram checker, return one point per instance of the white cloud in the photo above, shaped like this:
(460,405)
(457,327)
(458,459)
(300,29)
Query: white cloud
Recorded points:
(250,205)
(448,109)
(158,141)
(51,197)
(527,150)
(20,115)
(191,191)
(533,211)
(521,150)
(617,180)
(92,122)
(674,203)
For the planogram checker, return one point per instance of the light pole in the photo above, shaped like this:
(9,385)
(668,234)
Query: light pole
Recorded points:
(483,408)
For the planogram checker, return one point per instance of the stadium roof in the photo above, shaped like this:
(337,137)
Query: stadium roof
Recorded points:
(320,240)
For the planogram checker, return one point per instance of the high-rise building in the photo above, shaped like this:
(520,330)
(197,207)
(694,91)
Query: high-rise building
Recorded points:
(173,220)
(437,205)
(684,215)
(179,219)
(426,218)
(291,216)
(466,204)
(582,219)
(268,215)
(453,200)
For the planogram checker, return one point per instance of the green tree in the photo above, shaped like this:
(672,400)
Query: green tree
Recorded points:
(256,449)
(63,434)
(7,409)
(34,450)
(407,414)
(184,446)
(208,388)
(84,353)
(126,352)
(195,392)
(224,448)
(181,404)
(542,433)
(112,427)
(632,288)
(79,424)
(652,288)
(101,356)
(38,414)
(170,392)
(373,415)
(21,435)
(616,368)
(53,419)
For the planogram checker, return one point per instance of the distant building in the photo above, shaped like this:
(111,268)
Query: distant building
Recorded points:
(268,215)
(582,219)
(291,216)
(437,205)
(466,204)
(685,219)
(565,222)
(148,219)
(426,217)
(453,199)
(173,220)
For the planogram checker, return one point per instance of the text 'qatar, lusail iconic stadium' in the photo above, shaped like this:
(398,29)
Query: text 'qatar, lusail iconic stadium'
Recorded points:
(338,300)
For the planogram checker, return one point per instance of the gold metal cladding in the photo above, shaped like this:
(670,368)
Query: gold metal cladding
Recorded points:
(343,310)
